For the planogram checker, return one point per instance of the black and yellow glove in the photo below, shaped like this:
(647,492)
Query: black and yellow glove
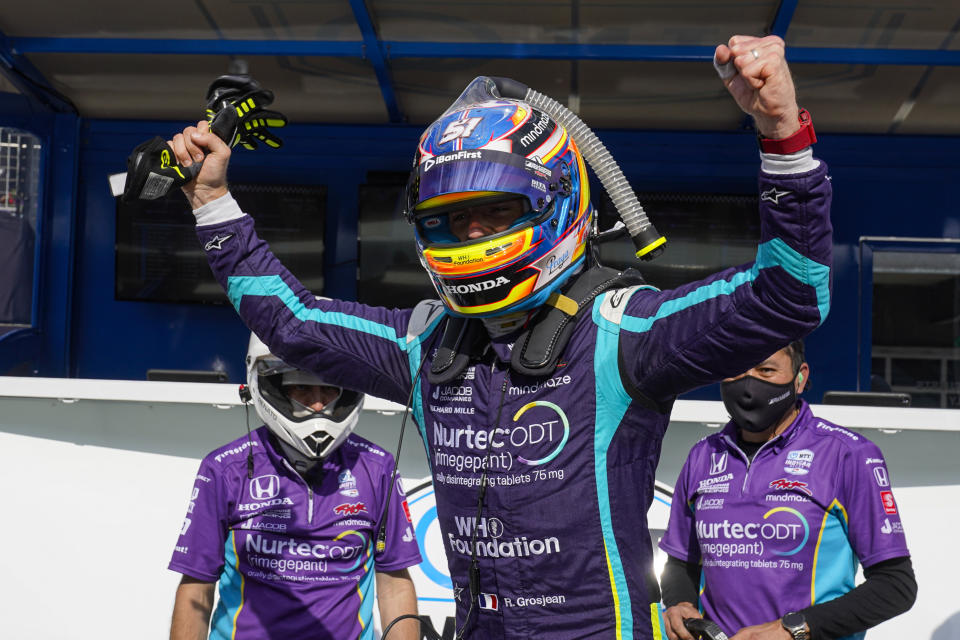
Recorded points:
(153,170)
(236,113)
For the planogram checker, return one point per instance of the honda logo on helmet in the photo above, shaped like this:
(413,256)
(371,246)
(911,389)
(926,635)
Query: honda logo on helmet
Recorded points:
(475,287)
(264,487)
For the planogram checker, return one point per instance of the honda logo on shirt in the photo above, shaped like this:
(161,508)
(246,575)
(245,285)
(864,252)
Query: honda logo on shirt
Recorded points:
(880,473)
(264,487)
(718,463)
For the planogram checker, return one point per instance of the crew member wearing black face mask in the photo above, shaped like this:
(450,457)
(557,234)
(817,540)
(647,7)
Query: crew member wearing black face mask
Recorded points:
(763,401)
(787,503)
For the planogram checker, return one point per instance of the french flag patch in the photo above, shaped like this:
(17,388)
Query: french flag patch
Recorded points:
(489,601)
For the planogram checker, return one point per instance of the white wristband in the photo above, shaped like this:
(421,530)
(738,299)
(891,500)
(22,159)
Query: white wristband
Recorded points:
(783,164)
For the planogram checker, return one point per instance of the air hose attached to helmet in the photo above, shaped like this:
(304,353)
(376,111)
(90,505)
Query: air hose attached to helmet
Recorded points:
(648,242)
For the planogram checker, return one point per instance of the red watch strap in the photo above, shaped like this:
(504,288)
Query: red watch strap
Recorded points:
(802,139)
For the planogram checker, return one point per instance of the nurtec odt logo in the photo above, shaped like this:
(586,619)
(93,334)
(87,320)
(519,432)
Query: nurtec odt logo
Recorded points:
(533,442)
(786,534)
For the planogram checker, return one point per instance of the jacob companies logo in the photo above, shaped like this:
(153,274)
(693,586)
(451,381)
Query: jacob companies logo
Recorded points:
(264,487)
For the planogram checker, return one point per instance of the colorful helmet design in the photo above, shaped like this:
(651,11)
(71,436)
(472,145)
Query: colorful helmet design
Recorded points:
(482,150)
(311,435)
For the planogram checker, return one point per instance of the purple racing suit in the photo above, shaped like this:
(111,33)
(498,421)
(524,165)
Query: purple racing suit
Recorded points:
(293,560)
(791,524)
(562,544)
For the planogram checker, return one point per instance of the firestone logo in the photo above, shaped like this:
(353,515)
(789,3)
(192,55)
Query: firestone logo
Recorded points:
(238,449)
(836,429)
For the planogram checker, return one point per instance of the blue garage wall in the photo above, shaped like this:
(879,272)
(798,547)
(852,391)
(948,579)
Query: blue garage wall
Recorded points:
(897,186)
(205,337)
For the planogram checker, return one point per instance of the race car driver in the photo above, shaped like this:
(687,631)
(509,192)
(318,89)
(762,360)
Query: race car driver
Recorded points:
(540,384)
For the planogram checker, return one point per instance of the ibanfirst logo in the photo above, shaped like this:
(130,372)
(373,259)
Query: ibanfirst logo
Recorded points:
(430,163)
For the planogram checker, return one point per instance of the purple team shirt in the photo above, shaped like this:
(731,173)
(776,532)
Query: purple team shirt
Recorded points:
(292,560)
(786,531)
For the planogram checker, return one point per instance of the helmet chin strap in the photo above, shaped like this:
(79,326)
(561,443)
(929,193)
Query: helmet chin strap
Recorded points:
(507,323)
(301,464)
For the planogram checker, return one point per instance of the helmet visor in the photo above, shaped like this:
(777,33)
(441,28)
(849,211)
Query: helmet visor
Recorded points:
(444,182)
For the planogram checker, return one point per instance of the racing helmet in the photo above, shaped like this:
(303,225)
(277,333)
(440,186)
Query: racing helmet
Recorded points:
(486,149)
(313,435)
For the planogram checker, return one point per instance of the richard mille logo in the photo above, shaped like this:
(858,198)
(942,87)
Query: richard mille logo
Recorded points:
(773,195)
(217,242)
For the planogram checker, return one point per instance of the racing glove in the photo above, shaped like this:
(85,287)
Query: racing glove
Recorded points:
(235,111)
(152,170)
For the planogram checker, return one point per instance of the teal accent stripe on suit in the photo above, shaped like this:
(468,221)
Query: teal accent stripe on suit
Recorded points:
(775,253)
(611,402)
(266,286)
(231,593)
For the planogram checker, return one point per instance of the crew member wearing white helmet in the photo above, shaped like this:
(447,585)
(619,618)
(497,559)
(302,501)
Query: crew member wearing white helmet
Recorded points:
(285,519)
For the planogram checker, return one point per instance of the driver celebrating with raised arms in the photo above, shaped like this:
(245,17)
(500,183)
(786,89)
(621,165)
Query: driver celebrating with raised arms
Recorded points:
(541,383)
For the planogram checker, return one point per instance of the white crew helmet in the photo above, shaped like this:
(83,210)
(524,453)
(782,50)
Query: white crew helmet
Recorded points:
(313,435)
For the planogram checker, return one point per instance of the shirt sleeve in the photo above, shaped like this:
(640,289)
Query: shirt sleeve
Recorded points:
(890,589)
(401,550)
(875,530)
(680,540)
(199,552)
(346,343)
(680,582)
(675,340)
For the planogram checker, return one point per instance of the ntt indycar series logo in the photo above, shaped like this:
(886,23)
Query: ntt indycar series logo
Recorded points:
(783,532)
(430,163)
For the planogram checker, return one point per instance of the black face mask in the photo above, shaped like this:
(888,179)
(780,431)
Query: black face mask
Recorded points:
(755,405)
